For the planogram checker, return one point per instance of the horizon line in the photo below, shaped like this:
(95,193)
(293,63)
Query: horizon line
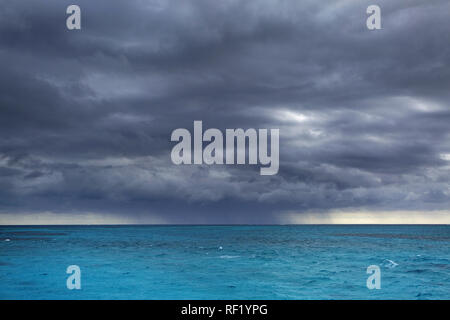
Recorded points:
(230,224)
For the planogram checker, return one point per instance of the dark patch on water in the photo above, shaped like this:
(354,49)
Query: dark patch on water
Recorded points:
(424,296)
(393,236)
(417,271)
(34,233)
(440,265)
(29,239)
(26,283)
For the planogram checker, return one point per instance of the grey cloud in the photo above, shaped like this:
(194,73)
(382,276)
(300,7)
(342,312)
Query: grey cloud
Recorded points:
(86,116)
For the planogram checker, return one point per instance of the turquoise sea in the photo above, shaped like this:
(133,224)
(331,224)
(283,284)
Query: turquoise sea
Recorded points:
(225,262)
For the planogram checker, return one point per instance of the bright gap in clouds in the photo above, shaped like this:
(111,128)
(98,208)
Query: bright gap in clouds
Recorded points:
(367,217)
(52,218)
(291,116)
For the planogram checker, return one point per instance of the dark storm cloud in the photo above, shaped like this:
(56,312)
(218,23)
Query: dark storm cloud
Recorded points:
(86,116)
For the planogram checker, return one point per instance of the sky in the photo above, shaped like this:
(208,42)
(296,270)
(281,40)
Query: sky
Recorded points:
(86,115)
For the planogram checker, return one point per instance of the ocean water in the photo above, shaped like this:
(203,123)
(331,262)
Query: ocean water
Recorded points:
(225,262)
